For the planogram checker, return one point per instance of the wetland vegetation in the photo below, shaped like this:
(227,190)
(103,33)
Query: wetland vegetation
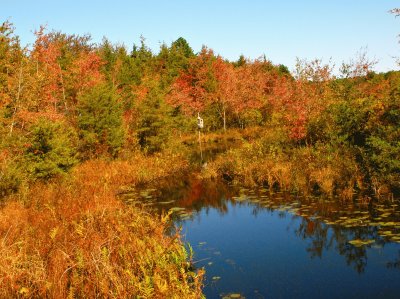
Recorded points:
(108,188)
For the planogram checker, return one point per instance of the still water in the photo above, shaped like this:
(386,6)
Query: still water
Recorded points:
(263,244)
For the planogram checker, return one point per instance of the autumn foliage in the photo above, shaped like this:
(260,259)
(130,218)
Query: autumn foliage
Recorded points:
(79,120)
(76,239)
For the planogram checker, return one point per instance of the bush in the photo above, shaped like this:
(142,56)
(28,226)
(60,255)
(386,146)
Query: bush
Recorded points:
(10,175)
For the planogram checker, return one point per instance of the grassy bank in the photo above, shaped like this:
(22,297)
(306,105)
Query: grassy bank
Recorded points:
(272,161)
(72,238)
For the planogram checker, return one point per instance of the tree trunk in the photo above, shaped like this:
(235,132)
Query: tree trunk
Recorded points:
(17,99)
(224,118)
(63,88)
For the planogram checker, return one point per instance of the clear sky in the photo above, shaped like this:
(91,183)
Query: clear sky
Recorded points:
(281,29)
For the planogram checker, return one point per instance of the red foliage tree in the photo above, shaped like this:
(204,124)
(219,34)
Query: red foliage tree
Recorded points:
(48,72)
(225,90)
(193,88)
(302,99)
(84,73)
(250,90)
(64,67)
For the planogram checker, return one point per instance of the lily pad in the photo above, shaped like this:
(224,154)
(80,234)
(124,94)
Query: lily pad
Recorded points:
(329,222)
(386,233)
(385,215)
(241,198)
(176,209)
(359,242)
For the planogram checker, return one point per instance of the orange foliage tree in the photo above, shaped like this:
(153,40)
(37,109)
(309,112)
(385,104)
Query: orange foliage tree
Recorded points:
(250,88)
(193,88)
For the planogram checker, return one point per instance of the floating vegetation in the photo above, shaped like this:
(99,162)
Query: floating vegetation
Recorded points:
(359,242)
(240,198)
(327,222)
(254,200)
(351,227)
(383,217)
(386,233)
(216,278)
(177,209)
(184,216)
(232,296)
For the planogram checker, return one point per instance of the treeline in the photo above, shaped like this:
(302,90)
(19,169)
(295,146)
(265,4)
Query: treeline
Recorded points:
(66,100)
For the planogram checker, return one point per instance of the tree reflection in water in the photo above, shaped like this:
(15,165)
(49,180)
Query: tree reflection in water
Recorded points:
(395,264)
(327,224)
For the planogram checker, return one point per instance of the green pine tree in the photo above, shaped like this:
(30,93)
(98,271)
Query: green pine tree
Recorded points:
(100,122)
(50,149)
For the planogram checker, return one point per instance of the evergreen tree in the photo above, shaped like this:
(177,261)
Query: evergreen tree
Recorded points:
(154,124)
(50,149)
(100,122)
(174,59)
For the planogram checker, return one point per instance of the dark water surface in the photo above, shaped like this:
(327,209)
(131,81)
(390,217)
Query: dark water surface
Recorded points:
(261,244)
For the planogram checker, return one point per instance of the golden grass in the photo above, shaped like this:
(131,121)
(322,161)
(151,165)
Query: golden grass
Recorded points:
(302,169)
(74,239)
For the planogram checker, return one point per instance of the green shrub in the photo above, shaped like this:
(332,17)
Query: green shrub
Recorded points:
(10,176)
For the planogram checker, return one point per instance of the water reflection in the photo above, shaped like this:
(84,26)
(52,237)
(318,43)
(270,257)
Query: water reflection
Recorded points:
(241,235)
(395,264)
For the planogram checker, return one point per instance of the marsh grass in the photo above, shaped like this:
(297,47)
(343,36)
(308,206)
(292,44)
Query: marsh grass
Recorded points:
(72,238)
(305,169)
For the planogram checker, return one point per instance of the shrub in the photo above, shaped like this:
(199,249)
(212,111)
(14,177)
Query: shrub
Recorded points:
(10,175)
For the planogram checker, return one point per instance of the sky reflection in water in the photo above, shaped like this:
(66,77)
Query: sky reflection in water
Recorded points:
(277,245)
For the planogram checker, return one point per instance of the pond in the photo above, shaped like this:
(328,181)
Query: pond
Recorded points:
(264,244)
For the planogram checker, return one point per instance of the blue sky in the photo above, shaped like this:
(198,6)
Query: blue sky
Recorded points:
(282,30)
